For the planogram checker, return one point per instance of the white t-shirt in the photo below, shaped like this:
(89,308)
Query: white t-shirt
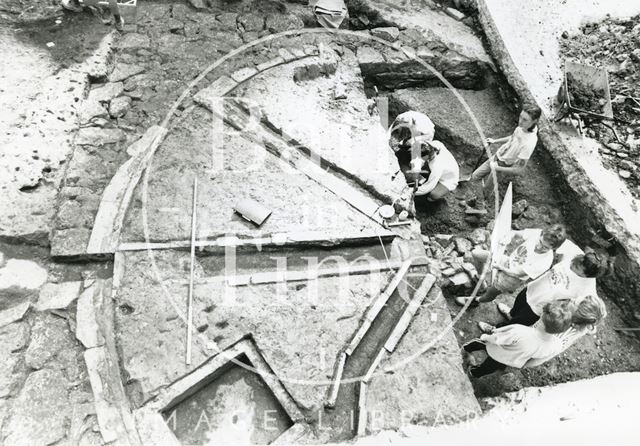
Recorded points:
(519,146)
(419,123)
(560,282)
(444,169)
(516,345)
(524,261)
(566,339)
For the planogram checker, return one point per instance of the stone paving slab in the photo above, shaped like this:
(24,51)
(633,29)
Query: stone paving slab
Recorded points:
(241,170)
(298,327)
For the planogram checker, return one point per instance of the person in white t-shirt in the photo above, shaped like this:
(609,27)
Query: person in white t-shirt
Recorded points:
(588,312)
(421,158)
(511,158)
(519,345)
(444,172)
(528,254)
(573,277)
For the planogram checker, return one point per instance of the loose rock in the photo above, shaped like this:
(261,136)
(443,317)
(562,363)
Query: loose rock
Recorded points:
(389,33)
(106,92)
(120,106)
(41,411)
(57,295)
(519,207)
(123,71)
(22,274)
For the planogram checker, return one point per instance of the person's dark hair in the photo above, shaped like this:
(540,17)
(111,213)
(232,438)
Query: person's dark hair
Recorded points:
(595,265)
(534,113)
(428,149)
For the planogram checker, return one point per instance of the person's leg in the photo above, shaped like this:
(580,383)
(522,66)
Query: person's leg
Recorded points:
(438,192)
(477,177)
(489,295)
(521,313)
(489,366)
(479,257)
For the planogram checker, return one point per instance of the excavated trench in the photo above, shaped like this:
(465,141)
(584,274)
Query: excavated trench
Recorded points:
(408,86)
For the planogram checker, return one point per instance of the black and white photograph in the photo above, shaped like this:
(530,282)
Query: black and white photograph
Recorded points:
(319,222)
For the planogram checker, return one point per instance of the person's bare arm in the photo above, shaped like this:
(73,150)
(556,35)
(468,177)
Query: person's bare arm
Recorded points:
(517,169)
(498,140)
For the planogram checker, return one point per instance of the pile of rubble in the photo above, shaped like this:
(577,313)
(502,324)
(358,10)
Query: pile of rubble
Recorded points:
(615,46)
(452,256)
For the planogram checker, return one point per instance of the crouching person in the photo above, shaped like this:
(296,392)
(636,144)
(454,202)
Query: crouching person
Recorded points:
(443,173)
(520,345)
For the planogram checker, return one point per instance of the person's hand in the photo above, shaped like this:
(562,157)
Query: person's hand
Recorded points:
(490,140)
(493,165)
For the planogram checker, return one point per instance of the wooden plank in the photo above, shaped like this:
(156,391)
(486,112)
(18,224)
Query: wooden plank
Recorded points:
(362,409)
(193,260)
(292,435)
(337,378)
(278,239)
(275,144)
(407,316)
(296,276)
(374,365)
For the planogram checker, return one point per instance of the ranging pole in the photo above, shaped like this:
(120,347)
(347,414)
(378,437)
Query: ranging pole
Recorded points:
(193,255)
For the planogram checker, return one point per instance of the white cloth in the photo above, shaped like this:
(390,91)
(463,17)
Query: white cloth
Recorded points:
(524,262)
(560,282)
(519,146)
(516,345)
(566,339)
(444,170)
(419,123)
(330,13)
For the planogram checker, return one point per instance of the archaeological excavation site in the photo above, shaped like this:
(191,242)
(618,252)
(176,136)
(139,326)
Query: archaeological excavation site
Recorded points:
(301,222)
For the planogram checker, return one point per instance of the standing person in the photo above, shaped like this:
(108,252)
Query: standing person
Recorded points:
(588,312)
(529,254)
(511,158)
(517,345)
(573,277)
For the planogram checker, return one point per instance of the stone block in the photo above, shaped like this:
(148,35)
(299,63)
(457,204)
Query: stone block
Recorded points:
(243,74)
(390,33)
(13,314)
(462,245)
(96,136)
(41,412)
(270,63)
(55,296)
(367,55)
(106,92)
(134,41)
(286,54)
(70,242)
(454,13)
(218,89)
(119,106)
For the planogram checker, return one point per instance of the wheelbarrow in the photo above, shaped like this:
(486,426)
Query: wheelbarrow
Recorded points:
(596,80)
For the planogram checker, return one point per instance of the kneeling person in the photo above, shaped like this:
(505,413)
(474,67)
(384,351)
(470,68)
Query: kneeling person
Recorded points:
(444,172)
